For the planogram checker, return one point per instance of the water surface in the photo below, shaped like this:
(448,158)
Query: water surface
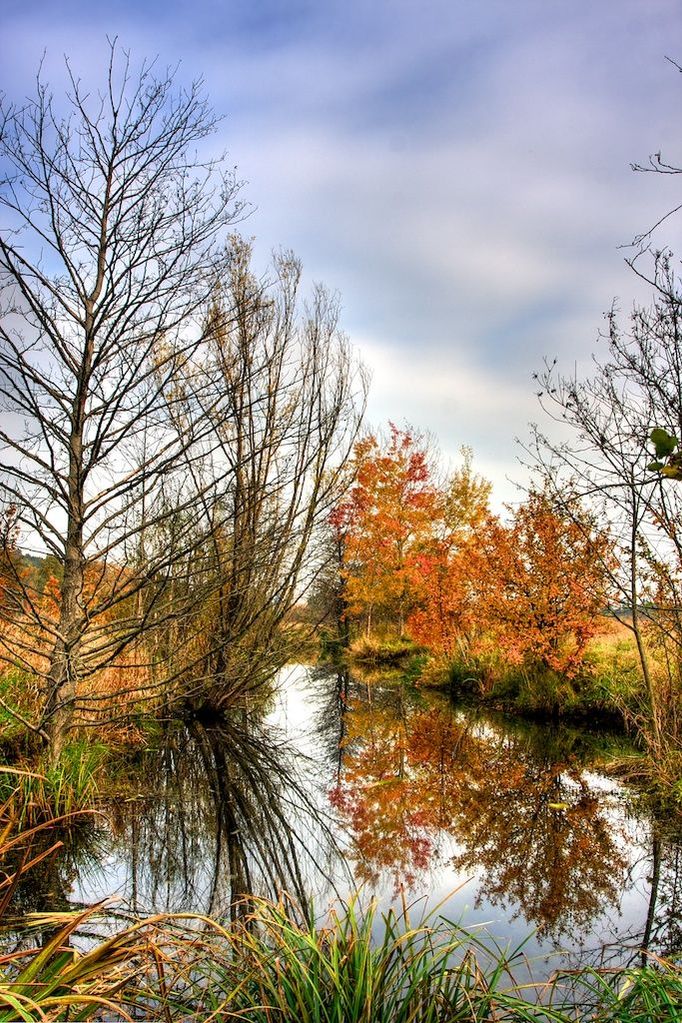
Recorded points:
(337,783)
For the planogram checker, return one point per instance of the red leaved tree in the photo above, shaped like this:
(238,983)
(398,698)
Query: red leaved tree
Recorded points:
(444,576)
(544,584)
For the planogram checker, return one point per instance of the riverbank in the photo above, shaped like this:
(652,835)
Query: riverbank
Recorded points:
(606,689)
(606,697)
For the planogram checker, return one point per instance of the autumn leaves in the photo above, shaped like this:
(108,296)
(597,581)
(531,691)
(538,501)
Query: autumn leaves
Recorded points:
(425,557)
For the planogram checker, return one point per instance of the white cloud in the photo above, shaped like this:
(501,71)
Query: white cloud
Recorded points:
(459,172)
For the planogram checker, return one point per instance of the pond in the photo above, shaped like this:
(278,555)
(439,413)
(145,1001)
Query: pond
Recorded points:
(339,784)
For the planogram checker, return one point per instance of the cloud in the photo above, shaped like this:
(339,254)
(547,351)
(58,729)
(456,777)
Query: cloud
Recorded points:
(454,402)
(459,172)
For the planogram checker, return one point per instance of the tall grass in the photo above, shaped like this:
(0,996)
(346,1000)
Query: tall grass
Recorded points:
(275,968)
(651,993)
(280,969)
(53,980)
(363,968)
(63,790)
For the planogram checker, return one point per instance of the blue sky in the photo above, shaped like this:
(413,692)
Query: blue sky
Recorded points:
(459,172)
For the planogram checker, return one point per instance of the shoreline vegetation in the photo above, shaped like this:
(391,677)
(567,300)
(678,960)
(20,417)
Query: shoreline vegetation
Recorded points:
(276,964)
(604,697)
(603,692)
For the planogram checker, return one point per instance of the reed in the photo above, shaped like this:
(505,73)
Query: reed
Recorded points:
(279,967)
(276,965)
(41,975)
(648,993)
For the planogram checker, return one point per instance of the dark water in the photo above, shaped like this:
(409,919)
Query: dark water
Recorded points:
(338,784)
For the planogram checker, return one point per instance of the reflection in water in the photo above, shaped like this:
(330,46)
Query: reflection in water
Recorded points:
(663,925)
(225,815)
(544,839)
(514,806)
(419,794)
(49,861)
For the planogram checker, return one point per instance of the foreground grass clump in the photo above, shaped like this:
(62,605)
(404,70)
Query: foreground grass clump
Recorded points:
(365,968)
(274,966)
(41,976)
(361,969)
(53,981)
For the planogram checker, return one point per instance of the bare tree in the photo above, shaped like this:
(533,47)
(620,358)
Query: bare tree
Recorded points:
(607,459)
(285,399)
(110,247)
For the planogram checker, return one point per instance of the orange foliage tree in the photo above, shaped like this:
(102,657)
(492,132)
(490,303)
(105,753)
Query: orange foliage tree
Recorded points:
(446,616)
(388,522)
(543,584)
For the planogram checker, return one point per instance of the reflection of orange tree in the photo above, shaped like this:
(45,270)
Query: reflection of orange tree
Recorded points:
(382,795)
(531,823)
(541,837)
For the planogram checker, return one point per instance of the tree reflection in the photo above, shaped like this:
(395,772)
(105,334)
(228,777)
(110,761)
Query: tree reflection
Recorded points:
(544,840)
(332,691)
(383,794)
(662,927)
(48,862)
(219,813)
(223,814)
(520,811)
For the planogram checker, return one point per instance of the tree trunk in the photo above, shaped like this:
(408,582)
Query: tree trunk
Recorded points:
(64,661)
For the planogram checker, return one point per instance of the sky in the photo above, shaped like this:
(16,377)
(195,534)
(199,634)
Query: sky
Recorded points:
(458,171)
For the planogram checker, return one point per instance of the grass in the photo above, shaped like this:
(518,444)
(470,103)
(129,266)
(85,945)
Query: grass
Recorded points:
(20,692)
(382,651)
(607,688)
(54,981)
(280,969)
(63,790)
(363,968)
(276,966)
(636,994)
